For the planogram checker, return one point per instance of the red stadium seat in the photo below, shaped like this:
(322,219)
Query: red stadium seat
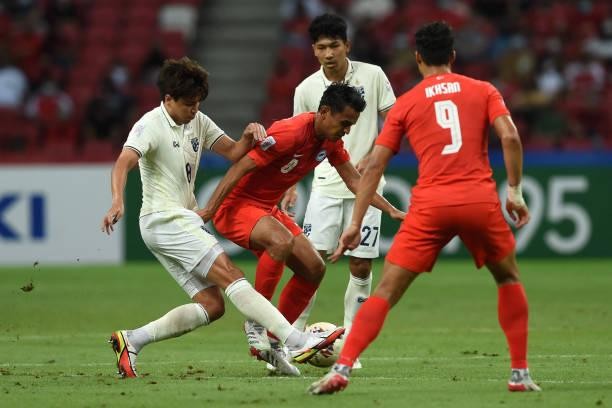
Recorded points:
(173,44)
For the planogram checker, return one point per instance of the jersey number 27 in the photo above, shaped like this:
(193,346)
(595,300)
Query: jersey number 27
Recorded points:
(447,117)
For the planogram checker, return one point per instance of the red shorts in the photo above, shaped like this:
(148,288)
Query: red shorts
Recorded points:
(425,231)
(235,222)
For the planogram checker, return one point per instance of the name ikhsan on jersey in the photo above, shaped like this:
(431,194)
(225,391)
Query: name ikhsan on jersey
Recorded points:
(442,88)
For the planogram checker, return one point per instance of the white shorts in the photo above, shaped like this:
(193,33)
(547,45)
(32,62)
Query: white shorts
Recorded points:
(327,217)
(180,242)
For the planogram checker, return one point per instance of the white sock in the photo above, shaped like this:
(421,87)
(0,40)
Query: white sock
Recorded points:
(180,320)
(302,320)
(256,307)
(357,291)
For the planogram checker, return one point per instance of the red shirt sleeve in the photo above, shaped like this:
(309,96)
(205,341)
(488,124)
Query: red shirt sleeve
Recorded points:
(338,155)
(278,143)
(393,130)
(495,103)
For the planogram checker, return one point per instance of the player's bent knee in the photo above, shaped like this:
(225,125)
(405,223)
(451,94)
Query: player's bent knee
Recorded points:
(360,267)
(215,311)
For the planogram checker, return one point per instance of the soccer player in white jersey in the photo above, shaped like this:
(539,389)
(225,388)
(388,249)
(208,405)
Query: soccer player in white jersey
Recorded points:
(167,143)
(331,203)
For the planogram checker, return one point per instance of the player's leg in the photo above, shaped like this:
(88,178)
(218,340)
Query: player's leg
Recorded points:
(366,326)
(360,260)
(493,246)
(322,227)
(257,308)
(414,250)
(208,306)
(268,274)
(178,242)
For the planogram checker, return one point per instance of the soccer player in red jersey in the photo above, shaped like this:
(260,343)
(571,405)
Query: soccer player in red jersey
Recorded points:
(446,119)
(244,204)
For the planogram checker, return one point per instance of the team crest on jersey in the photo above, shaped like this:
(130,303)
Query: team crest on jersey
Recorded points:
(321,155)
(195,143)
(361,91)
(307,228)
(267,143)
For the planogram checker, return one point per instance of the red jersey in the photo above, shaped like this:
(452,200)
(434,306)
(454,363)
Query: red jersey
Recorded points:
(290,151)
(446,120)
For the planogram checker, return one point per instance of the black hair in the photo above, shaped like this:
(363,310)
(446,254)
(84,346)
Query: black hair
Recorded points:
(327,25)
(434,42)
(183,79)
(339,95)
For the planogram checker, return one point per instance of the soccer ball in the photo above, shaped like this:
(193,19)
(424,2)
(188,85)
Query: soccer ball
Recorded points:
(328,356)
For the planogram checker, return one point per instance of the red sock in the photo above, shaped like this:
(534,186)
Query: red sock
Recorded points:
(267,274)
(512,311)
(295,297)
(366,326)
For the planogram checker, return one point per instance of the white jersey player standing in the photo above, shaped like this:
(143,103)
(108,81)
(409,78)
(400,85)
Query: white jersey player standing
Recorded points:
(331,203)
(167,143)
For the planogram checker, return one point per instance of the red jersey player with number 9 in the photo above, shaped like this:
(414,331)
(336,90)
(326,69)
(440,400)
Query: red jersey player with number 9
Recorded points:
(446,119)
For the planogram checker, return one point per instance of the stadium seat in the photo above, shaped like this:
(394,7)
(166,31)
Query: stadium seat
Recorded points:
(173,44)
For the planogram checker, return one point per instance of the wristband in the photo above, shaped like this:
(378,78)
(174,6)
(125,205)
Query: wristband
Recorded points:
(515,195)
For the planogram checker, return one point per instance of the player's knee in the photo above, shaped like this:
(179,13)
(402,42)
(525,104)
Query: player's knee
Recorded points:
(216,311)
(360,267)
(318,270)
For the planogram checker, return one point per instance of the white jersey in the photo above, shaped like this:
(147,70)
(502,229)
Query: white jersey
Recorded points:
(169,158)
(374,86)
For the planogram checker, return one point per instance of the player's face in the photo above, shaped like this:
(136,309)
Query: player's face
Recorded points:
(181,110)
(335,125)
(331,52)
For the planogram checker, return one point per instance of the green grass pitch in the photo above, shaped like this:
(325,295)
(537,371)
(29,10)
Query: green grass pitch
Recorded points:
(441,345)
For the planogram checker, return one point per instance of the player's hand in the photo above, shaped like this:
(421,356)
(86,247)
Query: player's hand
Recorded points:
(397,214)
(518,212)
(254,132)
(287,204)
(206,214)
(349,240)
(113,215)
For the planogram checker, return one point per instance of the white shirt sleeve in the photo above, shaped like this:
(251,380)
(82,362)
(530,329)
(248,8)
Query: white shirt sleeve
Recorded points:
(142,138)
(386,97)
(210,131)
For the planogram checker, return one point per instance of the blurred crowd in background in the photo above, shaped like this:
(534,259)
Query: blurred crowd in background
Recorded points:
(74,74)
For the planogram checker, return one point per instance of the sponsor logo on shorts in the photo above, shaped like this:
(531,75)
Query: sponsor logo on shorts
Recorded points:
(321,155)
(307,228)
(175,144)
(361,299)
(267,143)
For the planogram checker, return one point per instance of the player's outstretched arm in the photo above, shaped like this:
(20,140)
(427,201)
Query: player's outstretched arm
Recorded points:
(234,151)
(227,183)
(127,160)
(364,195)
(352,179)
(513,160)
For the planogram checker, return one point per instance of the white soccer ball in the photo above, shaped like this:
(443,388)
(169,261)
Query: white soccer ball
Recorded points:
(328,356)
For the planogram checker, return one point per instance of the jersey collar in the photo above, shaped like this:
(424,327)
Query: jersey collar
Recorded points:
(171,121)
(347,77)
